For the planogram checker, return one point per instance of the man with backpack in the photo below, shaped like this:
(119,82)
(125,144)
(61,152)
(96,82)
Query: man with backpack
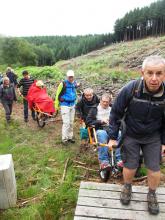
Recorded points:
(142,104)
(66,99)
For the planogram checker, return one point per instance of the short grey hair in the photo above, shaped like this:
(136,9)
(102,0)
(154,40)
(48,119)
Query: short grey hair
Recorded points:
(155,59)
(8,69)
(6,79)
(88,90)
(106,96)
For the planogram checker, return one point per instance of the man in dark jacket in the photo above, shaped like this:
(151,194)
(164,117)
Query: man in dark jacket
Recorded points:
(12,76)
(7,96)
(88,100)
(144,103)
(25,83)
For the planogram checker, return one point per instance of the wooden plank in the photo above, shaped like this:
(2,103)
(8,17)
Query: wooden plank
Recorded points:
(115,195)
(87,218)
(115,204)
(116,214)
(115,187)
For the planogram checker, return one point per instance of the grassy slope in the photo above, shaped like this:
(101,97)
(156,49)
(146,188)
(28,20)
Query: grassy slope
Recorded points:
(39,162)
(120,60)
(38,155)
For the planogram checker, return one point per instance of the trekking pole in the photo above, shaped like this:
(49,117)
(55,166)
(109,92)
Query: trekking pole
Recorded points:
(112,158)
(90,136)
(95,136)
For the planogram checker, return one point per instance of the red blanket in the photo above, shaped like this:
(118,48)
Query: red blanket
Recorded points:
(39,98)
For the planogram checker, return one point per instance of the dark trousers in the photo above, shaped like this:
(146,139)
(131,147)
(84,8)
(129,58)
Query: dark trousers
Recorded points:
(8,109)
(25,104)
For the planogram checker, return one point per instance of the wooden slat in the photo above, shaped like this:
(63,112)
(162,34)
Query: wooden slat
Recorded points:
(115,187)
(102,201)
(88,218)
(116,213)
(114,195)
(115,204)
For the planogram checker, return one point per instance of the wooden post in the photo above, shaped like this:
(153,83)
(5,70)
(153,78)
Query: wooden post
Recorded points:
(8,191)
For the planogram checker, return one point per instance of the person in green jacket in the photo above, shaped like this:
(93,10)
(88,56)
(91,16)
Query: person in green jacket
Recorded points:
(65,100)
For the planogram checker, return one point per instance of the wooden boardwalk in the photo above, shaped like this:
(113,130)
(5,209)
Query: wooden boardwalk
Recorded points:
(102,201)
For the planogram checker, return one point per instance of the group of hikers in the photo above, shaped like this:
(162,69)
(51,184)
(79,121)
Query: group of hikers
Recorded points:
(135,121)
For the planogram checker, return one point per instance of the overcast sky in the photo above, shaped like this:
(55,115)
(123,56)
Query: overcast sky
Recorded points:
(62,17)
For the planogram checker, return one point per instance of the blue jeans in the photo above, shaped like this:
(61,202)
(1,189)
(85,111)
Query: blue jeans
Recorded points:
(25,104)
(103,152)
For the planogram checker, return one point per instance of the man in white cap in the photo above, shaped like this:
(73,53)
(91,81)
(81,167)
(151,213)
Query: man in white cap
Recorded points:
(66,99)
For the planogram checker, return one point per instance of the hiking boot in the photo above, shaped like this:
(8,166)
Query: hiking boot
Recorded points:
(153,206)
(34,118)
(125,195)
(104,171)
(8,121)
(72,141)
(64,142)
(26,120)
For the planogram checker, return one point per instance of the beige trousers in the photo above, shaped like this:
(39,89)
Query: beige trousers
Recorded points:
(68,114)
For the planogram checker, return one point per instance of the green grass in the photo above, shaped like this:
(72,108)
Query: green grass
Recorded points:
(39,165)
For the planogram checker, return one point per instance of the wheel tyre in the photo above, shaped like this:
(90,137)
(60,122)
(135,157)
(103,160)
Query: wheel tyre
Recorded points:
(104,175)
(40,122)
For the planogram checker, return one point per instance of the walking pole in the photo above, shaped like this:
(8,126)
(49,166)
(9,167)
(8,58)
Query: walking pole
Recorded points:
(95,136)
(90,136)
(112,158)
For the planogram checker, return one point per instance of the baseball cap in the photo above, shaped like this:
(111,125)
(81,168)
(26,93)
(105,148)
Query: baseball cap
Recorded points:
(70,73)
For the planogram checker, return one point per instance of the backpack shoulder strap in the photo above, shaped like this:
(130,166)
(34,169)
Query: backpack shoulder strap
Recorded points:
(136,88)
(62,90)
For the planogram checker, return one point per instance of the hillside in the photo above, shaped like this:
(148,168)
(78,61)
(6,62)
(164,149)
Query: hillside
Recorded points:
(114,65)
(106,69)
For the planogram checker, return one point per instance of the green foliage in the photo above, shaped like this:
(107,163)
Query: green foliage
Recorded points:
(56,203)
(143,171)
(46,72)
(43,51)
(17,51)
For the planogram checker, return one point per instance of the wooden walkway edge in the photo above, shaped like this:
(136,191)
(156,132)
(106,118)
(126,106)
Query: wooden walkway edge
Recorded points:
(102,201)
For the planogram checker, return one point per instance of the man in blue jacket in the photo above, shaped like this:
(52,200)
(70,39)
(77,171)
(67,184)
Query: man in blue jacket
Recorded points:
(142,104)
(66,97)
